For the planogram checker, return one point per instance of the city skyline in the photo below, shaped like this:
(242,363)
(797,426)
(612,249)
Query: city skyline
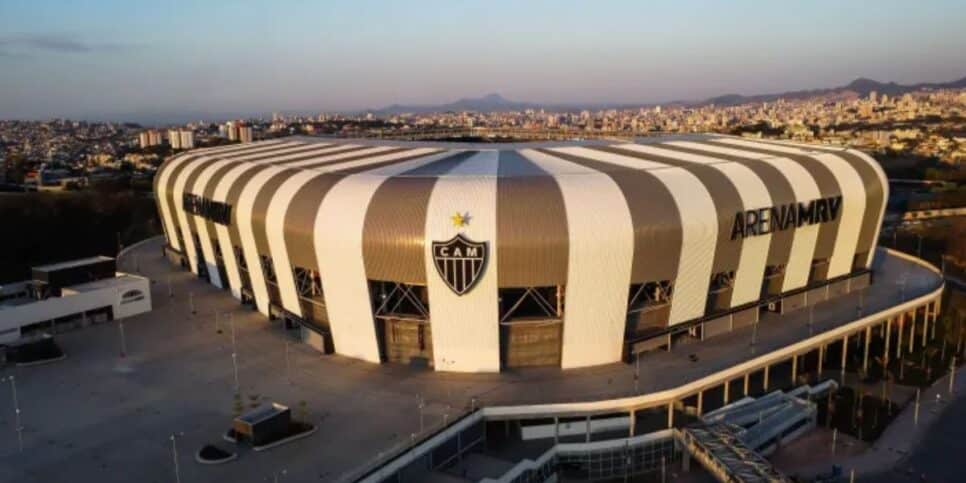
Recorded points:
(145,60)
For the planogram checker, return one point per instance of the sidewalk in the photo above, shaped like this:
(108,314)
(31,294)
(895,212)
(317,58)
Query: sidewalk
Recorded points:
(898,440)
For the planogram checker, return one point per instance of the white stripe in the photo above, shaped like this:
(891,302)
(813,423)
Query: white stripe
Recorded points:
(340,221)
(699,237)
(852,213)
(753,257)
(166,216)
(880,175)
(699,231)
(853,202)
(179,187)
(224,236)
(246,204)
(221,193)
(335,157)
(278,207)
(231,147)
(275,228)
(601,251)
(617,159)
(884,181)
(178,192)
(754,250)
(207,248)
(799,263)
(466,333)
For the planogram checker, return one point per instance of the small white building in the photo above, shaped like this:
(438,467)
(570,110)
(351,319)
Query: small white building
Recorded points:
(27,307)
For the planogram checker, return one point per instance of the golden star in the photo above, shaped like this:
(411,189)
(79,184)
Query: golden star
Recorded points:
(460,219)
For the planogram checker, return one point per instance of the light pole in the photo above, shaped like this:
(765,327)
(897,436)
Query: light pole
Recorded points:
(811,319)
(191,302)
(421,405)
(637,373)
(16,410)
(277,474)
(120,327)
(174,456)
(234,351)
(288,372)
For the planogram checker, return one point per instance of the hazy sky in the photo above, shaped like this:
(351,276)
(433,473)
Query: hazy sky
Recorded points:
(91,59)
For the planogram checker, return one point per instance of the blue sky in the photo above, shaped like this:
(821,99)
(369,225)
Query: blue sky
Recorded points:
(96,59)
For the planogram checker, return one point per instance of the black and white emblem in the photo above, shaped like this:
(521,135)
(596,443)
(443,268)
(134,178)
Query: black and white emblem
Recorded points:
(460,262)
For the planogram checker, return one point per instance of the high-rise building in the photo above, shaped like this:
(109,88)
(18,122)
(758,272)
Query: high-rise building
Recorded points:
(154,137)
(231,130)
(245,134)
(187,139)
(174,139)
(149,138)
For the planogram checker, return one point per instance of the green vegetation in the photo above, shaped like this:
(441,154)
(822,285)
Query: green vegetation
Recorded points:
(50,227)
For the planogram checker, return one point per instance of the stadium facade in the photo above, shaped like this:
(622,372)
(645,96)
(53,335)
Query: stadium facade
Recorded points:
(479,257)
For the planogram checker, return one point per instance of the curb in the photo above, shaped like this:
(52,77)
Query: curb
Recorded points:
(134,245)
(233,457)
(287,440)
(43,362)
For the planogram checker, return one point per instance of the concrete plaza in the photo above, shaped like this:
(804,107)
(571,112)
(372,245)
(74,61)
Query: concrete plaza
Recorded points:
(99,417)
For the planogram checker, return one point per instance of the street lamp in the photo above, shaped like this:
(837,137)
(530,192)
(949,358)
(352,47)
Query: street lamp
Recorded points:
(811,319)
(277,474)
(234,350)
(288,372)
(174,456)
(120,327)
(16,410)
(422,404)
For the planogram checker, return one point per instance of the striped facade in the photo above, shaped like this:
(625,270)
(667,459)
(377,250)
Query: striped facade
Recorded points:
(589,246)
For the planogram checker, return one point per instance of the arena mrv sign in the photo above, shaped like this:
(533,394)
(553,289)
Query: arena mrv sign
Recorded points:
(208,209)
(792,215)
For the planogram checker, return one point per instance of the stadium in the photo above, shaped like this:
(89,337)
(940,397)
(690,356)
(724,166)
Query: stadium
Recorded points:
(484,257)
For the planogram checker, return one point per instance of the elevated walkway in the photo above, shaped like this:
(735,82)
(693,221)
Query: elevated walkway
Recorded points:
(722,452)
(731,442)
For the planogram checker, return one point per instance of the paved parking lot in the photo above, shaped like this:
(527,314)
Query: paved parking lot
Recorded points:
(97,417)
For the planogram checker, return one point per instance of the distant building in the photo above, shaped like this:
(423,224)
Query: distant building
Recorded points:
(174,138)
(187,139)
(181,138)
(231,130)
(245,134)
(149,138)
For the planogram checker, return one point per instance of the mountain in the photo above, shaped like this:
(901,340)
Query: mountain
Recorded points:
(860,87)
(487,103)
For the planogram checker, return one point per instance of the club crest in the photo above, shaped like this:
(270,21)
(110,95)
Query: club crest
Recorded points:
(460,262)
